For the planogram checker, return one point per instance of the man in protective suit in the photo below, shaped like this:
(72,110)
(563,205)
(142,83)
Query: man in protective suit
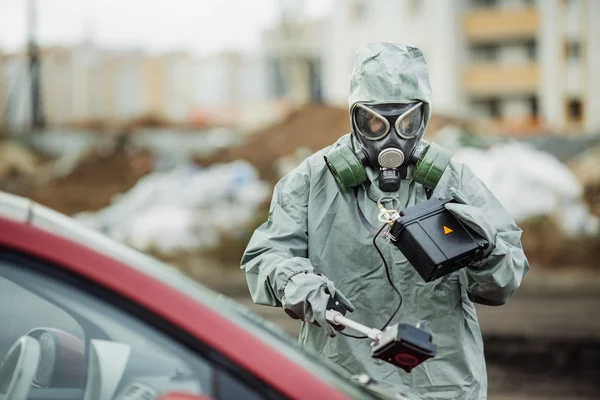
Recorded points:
(317,242)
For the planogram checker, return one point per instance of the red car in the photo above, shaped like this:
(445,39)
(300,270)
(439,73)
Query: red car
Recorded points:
(84,317)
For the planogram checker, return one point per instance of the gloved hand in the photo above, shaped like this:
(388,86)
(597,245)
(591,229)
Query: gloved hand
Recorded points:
(476,219)
(306,296)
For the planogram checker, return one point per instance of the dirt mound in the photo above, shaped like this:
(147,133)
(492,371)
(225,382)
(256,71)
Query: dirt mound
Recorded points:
(16,160)
(89,181)
(314,127)
(114,163)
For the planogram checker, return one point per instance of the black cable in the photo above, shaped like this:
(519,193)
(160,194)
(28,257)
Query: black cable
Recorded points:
(389,277)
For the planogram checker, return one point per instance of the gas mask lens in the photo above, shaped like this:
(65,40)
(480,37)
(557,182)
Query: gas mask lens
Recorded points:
(373,122)
(370,124)
(409,123)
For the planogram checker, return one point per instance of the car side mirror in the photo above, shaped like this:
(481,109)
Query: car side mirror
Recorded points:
(183,396)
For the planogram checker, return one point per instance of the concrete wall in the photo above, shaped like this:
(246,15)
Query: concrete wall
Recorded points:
(212,85)
(552,82)
(18,108)
(179,87)
(515,108)
(592,70)
(129,88)
(563,78)
(3,94)
(446,54)
(84,59)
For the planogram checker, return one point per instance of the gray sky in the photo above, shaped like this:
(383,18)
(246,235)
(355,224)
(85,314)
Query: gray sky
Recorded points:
(201,26)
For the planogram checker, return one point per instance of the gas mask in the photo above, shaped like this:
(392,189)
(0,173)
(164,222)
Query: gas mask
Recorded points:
(390,138)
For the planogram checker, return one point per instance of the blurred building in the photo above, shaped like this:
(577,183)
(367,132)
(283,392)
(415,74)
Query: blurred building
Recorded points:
(65,84)
(294,51)
(83,84)
(15,90)
(3,94)
(525,65)
(237,90)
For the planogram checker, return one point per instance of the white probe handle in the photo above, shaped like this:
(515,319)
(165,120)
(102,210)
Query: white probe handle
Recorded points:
(338,319)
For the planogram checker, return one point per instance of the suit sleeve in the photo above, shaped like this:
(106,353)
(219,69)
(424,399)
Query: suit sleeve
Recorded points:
(278,249)
(496,279)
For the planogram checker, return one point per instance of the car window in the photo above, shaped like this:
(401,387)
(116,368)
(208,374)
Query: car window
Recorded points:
(80,346)
(22,311)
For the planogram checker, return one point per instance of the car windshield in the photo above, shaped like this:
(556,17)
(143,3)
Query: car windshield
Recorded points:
(262,329)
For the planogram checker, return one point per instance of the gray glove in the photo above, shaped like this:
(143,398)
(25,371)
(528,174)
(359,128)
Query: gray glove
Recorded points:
(475,218)
(306,296)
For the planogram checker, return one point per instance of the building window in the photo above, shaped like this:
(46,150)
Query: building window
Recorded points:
(533,106)
(485,53)
(571,3)
(487,108)
(485,3)
(278,86)
(572,50)
(531,47)
(494,108)
(314,68)
(358,10)
(574,110)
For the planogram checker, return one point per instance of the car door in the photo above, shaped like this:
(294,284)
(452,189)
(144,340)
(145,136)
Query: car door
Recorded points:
(142,355)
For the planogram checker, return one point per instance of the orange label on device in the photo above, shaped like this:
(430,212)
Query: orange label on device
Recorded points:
(447,230)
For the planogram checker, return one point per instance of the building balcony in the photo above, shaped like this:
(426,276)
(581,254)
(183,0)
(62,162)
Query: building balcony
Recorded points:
(498,25)
(500,80)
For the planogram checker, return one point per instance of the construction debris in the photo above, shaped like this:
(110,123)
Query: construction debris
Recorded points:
(17,161)
(182,210)
(88,178)
(586,168)
(531,183)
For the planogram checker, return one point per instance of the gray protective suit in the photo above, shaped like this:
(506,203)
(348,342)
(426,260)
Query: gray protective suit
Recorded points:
(313,228)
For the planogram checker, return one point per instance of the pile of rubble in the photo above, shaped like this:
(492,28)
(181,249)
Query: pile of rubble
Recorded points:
(586,168)
(16,161)
(185,209)
(530,184)
(77,181)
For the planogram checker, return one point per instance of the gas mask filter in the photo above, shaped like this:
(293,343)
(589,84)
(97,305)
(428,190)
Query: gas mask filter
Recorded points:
(390,137)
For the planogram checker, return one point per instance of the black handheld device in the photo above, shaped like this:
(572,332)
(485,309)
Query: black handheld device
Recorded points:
(434,241)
